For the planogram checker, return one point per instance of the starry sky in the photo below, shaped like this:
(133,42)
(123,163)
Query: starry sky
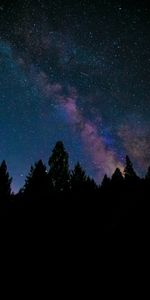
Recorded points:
(77,71)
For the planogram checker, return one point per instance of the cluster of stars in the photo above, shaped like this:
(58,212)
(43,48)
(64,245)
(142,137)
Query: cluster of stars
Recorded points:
(98,48)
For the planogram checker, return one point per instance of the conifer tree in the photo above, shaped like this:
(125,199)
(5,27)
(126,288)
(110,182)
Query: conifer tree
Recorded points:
(129,172)
(147,177)
(36,185)
(105,182)
(59,168)
(5,182)
(78,179)
(117,178)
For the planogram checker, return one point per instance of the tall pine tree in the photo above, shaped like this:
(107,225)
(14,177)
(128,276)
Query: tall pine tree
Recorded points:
(59,168)
(117,178)
(129,172)
(5,182)
(36,185)
(78,179)
(147,177)
(105,185)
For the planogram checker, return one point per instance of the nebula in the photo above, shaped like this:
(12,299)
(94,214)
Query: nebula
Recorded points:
(136,141)
(76,73)
(102,158)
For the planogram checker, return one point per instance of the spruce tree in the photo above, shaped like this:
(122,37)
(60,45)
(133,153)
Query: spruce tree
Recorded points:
(5,182)
(78,179)
(129,172)
(117,178)
(91,185)
(147,177)
(36,185)
(59,168)
(105,182)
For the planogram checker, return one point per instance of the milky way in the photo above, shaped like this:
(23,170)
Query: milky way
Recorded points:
(78,73)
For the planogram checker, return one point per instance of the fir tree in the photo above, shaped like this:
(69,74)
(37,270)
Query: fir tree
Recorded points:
(147,177)
(117,178)
(129,172)
(36,184)
(105,182)
(59,168)
(5,182)
(78,179)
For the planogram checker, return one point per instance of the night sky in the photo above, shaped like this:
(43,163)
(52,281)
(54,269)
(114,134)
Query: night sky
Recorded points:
(77,71)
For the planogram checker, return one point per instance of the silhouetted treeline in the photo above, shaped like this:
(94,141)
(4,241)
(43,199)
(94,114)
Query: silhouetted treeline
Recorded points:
(64,195)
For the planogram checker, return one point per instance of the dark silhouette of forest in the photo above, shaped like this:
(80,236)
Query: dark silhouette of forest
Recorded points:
(65,199)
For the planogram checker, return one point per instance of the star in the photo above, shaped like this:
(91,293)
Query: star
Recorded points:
(77,72)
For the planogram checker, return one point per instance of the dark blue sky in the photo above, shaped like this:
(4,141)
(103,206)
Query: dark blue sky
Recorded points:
(77,72)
